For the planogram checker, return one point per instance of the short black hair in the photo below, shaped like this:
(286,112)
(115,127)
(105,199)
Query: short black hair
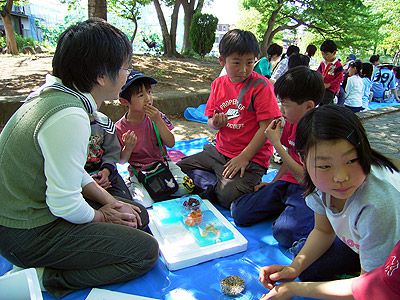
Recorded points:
(300,84)
(274,49)
(298,59)
(374,58)
(292,49)
(328,46)
(311,49)
(333,122)
(356,64)
(87,50)
(135,88)
(238,41)
(366,70)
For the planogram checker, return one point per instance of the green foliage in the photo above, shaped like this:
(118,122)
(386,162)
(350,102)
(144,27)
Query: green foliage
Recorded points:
(202,32)
(349,22)
(3,42)
(23,42)
(51,34)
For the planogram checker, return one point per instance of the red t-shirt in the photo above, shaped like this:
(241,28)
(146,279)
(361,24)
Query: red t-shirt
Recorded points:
(288,140)
(245,104)
(332,73)
(146,151)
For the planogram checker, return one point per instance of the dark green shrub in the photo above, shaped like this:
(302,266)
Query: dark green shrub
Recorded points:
(202,33)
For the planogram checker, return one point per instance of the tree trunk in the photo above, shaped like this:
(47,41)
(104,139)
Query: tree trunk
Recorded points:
(188,8)
(169,40)
(8,28)
(134,20)
(97,8)
(269,33)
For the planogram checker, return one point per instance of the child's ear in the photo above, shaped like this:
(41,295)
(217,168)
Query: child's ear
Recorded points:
(309,105)
(222,61)
(101,80)
(123,101)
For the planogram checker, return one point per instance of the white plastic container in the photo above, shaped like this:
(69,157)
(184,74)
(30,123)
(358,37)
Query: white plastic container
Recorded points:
(184,246)
(20,285)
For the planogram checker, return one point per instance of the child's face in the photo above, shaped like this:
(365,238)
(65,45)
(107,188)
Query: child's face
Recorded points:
(293,111)
(238,67)
(142,98)
(334,168)
(329,56)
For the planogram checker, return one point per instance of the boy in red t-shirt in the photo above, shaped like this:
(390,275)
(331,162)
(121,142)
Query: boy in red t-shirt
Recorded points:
(331,69)
(241,106)
(299,90)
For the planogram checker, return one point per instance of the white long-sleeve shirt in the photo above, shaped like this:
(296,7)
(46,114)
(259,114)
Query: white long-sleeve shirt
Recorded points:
(63,139)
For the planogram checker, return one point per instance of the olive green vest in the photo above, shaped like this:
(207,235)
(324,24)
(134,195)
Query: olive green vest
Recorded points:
(22,178)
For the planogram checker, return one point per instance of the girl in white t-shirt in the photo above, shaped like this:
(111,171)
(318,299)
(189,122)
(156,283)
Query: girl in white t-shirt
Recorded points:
(354,88)
(353,190)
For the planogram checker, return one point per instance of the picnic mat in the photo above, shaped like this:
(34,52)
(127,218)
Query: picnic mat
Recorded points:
(201,281)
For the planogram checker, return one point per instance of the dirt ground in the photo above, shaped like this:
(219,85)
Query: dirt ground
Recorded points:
(20,75)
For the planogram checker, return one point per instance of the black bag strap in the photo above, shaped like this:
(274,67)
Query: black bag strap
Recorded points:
(160,145)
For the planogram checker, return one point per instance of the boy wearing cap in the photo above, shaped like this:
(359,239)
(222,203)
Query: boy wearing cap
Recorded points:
(137,137)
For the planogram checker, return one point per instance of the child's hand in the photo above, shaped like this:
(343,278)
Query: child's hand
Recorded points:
(261,185)
(269,275)
(274,131)
(279,292)
(102,178)
(235,165)
(219,120)
(129,138)
(152,112)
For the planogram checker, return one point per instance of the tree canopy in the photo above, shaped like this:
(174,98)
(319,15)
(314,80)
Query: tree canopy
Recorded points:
(346,21)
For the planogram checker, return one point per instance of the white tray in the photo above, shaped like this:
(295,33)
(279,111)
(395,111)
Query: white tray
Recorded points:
(177,244)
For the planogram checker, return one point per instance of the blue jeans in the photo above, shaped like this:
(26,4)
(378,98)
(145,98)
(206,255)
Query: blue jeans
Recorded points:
(338,260)
(295,220)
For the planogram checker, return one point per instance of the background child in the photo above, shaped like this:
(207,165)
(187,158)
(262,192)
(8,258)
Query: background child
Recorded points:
(352,189)
(299,90)
(103,153)
(331,69)
(282,66)
(354,87)
(366,75)
(384,84)
(263,66)
(138,139)
(241,106)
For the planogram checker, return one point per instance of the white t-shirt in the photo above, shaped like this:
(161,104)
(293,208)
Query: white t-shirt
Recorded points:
(370,220)
(354,91)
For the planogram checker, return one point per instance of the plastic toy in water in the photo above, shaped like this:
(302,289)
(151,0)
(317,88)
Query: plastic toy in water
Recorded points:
(194,218)
(191,204)
(210,228)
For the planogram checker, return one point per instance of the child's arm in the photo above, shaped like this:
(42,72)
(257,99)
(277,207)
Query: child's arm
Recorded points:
(337,289)
(166,135)
(318,242)
(240,162)
(129,140)
(274,133)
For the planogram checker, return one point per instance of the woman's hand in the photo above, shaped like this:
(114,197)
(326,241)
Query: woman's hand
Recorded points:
(279,292)
(119,213)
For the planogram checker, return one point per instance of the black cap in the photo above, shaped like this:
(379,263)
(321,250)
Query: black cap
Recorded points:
(135,75)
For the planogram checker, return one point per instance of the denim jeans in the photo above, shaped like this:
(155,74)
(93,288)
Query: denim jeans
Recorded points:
(76,256)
